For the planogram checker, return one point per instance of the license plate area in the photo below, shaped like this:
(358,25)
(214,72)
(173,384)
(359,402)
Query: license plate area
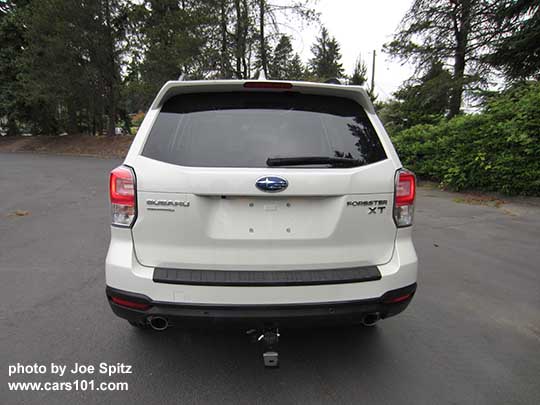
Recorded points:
(273,218)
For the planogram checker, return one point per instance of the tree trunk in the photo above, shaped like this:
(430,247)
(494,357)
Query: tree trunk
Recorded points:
(112,113)
(12,128)
(93,111)
(262,41)
(238,39)
(462,21)
(224,68)
(245,33)
(248,60)
(110,71)
(72,127)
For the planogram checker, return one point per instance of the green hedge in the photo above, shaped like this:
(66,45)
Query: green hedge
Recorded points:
(496,150)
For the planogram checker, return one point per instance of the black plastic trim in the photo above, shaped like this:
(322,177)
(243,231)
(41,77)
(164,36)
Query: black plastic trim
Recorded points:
(252,315)
(265,278)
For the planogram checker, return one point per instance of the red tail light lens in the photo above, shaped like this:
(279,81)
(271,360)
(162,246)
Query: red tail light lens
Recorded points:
(267,85)
(123,198)
(130,304)
(405,188)
(401,298)
(405,193)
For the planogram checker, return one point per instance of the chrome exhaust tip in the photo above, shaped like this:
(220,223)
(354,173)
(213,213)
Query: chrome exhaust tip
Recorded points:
(371,319)
(158,323)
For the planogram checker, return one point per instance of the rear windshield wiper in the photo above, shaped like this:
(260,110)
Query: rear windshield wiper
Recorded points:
(314,160)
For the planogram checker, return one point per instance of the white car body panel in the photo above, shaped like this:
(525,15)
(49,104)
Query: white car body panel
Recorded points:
(124,272)
(231,225)
(254,230)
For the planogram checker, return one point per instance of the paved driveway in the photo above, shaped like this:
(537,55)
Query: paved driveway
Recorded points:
(471,335)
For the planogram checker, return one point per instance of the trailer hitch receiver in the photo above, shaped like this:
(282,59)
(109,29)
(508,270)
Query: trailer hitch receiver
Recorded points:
(269,339)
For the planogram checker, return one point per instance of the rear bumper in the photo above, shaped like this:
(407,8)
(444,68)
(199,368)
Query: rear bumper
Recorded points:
(283,315)
(125,273)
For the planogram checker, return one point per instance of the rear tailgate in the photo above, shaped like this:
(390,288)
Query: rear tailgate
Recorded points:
(199,207)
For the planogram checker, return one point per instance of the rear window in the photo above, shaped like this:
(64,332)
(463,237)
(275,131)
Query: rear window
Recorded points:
(244,129)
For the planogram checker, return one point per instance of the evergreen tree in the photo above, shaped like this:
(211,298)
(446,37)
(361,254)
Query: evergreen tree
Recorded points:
(326,57)
(281,58)
(424,100)
(285,64)
(359,76)
(70,69)
(83,66)
(296,69)
(13,42)
(460,30)
(517,53)
(174,40)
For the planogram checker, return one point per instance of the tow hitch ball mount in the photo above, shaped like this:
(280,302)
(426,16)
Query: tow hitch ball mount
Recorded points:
(269,339)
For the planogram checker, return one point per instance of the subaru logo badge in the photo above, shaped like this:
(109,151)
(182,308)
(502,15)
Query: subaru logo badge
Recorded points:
(271,184)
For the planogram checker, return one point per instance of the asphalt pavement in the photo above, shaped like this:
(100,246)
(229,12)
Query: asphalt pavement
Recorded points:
(471,335)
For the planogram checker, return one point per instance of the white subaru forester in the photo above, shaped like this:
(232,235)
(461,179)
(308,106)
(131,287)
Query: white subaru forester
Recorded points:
(260,204)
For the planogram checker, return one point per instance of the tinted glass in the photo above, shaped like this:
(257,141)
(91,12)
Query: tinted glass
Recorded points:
(245,129)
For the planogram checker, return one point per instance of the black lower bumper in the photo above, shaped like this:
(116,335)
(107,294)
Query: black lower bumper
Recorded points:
(284,315)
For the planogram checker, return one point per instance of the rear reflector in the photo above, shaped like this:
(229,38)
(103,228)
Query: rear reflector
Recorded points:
(130,304)
(405,193)
(267,85)
(122,195)
(395,300)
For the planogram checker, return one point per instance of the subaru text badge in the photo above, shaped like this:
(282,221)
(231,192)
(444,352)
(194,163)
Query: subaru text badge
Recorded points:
(271,184)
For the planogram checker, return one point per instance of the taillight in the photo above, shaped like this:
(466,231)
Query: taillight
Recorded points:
(405,192)
(123,198)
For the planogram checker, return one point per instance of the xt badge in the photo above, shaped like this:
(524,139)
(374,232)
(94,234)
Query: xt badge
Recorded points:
(373,206)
